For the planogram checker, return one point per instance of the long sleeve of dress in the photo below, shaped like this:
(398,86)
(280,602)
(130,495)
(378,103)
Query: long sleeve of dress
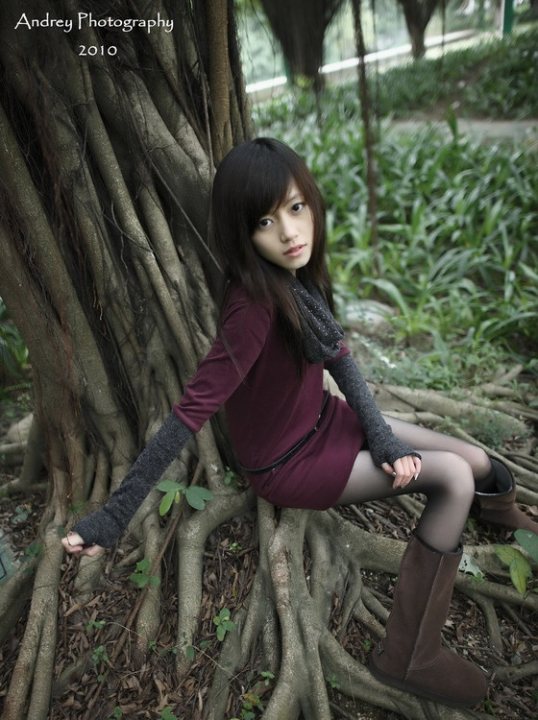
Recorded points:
(383,445)
(105,526)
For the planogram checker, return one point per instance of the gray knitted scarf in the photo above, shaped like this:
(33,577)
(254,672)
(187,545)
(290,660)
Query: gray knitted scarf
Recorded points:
(321,333)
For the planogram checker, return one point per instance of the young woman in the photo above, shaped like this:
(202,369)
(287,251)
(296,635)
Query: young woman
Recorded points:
(302,447)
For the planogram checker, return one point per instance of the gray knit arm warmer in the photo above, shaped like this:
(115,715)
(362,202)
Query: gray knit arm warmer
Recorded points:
(104,527)
(383,445)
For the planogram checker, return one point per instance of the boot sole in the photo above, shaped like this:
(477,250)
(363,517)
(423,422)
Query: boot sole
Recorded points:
(416,690)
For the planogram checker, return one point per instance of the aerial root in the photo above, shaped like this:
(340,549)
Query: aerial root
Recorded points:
(29,691)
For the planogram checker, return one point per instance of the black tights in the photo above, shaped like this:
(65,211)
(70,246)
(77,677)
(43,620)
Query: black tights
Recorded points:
(451,472)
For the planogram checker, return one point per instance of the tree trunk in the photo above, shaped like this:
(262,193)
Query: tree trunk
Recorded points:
(108,144)
(417,15)
(105,167)
(300,29)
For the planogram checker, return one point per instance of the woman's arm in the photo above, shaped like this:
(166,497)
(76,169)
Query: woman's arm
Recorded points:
(244,330)
(104,527)
(383,445)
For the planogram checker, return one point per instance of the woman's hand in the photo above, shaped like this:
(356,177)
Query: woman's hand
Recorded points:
(74,545)
(403,470)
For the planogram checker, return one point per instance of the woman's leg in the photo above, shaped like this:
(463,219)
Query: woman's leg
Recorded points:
(425,439)
(447,481)
(494,483)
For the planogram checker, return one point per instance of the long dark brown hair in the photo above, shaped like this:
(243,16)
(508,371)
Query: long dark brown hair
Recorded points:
(251,181)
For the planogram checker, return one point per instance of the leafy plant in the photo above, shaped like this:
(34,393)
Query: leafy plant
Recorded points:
(529,542)
(458,240)
(332,680)
(13,351)
(251,702)
(94,625)
(196,496)
(167,714)
(99,656)
(190,650)
(267,677)
(141,577)
(520,569)
(223,623)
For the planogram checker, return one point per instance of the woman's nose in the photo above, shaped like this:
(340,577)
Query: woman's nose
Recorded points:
(287,230)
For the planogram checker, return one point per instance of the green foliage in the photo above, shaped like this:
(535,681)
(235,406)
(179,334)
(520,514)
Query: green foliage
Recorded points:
(230,478)
(223,623)
(332,680)
(117,714)
(190,650)
(517,563)
(251,702)
(196,496)
(529,542)
(494,429)
(94,625)
(98,657)
(494,79)
(458,237)
(13,351)
(167,714)
(141,577)
(267,677)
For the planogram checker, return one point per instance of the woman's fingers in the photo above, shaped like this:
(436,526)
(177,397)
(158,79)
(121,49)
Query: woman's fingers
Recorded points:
(405,470)
(73,543)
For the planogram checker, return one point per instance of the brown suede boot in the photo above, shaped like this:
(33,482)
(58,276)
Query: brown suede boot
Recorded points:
(496,504)
(411,657)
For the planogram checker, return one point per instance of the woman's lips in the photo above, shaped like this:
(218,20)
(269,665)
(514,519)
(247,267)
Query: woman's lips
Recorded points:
(297,250)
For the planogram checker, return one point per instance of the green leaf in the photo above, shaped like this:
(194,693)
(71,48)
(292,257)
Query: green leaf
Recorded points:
(198,496)
(520,569)
(170,485)
(166,502)
(221,633)
(520,572)
(528,541)
(139,580)
(506,553)
(167,714)
(142,566)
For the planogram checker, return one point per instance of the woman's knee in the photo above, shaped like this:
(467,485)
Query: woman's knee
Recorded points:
(456,475)
(480,462)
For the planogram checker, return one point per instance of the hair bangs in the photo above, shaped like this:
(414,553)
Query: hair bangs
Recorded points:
(267,183)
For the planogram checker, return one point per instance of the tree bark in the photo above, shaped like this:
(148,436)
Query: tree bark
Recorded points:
(106,162)
(417,15)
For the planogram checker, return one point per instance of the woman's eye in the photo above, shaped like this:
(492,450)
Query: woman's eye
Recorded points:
(297,207)
(264,222)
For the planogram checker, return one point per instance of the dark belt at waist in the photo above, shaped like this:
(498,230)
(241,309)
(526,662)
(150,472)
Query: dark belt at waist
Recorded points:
(295,448)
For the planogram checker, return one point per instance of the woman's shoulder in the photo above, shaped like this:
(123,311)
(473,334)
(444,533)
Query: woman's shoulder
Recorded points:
(238,297)
(242,312)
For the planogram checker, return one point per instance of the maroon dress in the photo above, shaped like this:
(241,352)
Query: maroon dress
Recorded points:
(269,408)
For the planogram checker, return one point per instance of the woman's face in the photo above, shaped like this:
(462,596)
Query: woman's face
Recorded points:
(285,236)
